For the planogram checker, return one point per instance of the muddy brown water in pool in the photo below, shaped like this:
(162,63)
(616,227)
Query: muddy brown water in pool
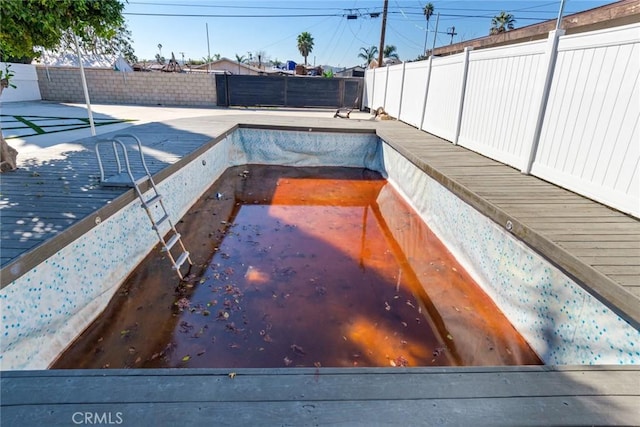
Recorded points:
(298,267)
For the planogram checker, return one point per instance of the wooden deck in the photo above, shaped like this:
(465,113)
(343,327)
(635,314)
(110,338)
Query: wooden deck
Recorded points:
(300,396)
(53,199)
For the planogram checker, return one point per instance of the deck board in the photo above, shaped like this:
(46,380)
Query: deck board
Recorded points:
(484,396)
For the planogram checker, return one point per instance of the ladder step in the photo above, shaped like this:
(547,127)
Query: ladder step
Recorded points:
(151,201)
(160,221)
(172,241)
(181,259)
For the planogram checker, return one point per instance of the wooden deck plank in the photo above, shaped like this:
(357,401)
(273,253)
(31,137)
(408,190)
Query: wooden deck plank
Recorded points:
(588,228)
(587,253)
(625,247)
(479,412)
(89,386)
(457,395)
(561,237)
(610,260)
(593,218)
(635,290)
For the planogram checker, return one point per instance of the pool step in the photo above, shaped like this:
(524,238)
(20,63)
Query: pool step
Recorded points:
(181,259)
(152,201)
(154,206)
(171,243)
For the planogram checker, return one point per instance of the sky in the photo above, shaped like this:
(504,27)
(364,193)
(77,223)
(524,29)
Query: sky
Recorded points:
(270,27)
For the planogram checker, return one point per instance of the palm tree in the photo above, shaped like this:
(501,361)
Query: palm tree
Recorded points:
(501,23)
(305,45)
(427,11)
(368,54)
(390,52)
(241,60)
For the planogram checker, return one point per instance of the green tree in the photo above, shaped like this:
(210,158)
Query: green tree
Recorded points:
(501,23)
(390,51)
(91,43)
(210,58)
(427,11)
(30,23)
(27,24)
(241,59)
(305,45)
(368,54)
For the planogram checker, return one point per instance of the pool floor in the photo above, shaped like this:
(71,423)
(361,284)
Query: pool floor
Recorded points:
(300,267)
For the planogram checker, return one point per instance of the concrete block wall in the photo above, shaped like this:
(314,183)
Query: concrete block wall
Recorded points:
(64,84)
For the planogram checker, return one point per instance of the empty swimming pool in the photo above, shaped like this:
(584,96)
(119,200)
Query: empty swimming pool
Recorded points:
(49,306)
(298,267)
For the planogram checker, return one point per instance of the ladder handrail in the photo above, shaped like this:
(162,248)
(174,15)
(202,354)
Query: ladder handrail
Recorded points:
(116,143)
(128,135)
(144,163)
(115,151)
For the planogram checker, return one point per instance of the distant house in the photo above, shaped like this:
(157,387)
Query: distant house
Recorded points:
(356,71)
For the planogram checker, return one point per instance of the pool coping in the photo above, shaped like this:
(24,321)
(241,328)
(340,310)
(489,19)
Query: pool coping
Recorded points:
(531,395)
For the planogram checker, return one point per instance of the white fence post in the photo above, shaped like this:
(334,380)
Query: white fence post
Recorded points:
(426,92)
(386,83)
(463,87)
(373,88)
(404,67)
(551,52)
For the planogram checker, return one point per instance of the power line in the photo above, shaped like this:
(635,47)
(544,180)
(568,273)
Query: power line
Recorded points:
(232,6)
(188,15)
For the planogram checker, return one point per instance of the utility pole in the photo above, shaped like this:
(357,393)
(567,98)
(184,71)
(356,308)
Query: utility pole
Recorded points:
(559,20)
(384,28)
(435,35)
(452,32)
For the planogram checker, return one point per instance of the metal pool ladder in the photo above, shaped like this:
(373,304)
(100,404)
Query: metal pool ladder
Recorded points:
(124,177)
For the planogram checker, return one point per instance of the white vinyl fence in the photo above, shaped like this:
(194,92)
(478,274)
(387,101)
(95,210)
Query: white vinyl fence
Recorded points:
(566,109)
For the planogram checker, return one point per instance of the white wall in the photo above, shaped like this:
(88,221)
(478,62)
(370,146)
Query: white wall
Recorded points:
(566,109)
(26,81)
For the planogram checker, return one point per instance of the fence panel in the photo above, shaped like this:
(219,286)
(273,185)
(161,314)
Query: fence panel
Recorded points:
(25,80)
(367,97)
(591,129)
(394,90)
(413,91)
(441,113)
(498,107)
(380,89)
